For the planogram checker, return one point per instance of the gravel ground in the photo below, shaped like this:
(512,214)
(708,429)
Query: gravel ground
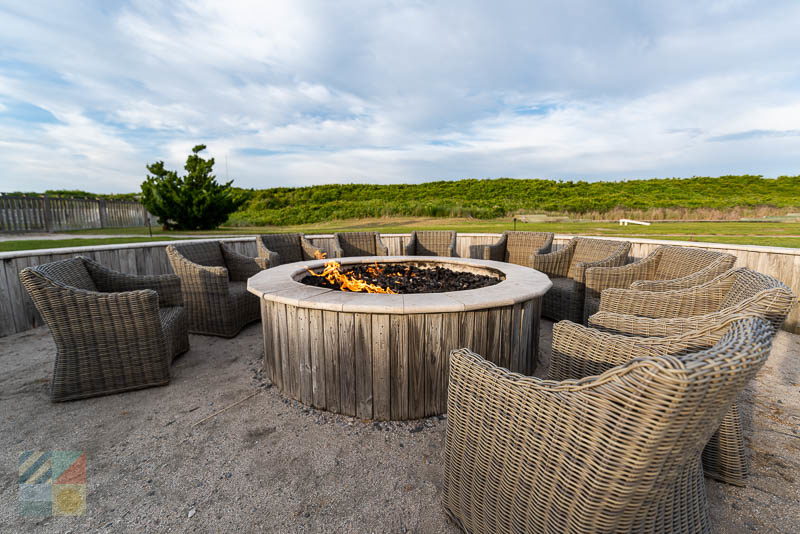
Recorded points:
(161,460)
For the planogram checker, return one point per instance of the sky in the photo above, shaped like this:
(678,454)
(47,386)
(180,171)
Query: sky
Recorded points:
(299,93)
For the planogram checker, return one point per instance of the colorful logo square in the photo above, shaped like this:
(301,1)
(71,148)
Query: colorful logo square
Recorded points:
(52,483)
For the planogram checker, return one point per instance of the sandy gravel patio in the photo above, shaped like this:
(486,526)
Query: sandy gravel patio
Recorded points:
(161,460)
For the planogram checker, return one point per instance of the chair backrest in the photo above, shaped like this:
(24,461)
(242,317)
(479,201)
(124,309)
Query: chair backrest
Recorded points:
(358,243)
(206,253)
(71,273)
(521,245)
(776,299)
(627,441)
(677,262)
(433,242)
(589,250)
(287,246)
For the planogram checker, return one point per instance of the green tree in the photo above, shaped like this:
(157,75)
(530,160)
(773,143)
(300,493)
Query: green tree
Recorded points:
(192,202)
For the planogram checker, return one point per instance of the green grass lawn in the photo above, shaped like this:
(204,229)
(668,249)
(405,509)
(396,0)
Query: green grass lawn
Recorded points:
(38,244)
(777,234)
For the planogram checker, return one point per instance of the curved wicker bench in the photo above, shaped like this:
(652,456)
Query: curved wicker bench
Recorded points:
(214,281)
(277,249)
(619,452)
(113,331)
(666,268)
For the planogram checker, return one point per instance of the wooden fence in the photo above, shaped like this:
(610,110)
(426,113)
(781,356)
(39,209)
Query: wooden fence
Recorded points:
(17,312)
(53,214)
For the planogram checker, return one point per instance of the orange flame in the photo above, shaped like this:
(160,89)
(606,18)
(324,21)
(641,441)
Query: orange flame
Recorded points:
(334,275)
(318,254)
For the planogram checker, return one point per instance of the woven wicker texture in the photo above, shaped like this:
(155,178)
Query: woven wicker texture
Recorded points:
(113,332)
(432,243)
(348,244)
(619,452)
(579,351)
(519,247)
(701,311)
(277,249)
(567,267)
(667,267)
(213,278)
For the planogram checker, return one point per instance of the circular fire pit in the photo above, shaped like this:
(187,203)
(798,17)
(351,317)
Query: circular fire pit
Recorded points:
(386,356)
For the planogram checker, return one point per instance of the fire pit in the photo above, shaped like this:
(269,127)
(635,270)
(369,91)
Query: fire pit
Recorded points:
(385,355)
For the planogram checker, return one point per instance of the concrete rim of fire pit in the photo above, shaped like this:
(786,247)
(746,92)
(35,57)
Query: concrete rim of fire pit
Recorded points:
(281,284)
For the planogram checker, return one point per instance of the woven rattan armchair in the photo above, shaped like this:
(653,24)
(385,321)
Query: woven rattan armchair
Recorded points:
(619,452)
(579,351)
(277,249)
(348,244)
(567,267)
(519,247)
(667,267)
(113,332)
(214,280)
(739,291)
(431,243)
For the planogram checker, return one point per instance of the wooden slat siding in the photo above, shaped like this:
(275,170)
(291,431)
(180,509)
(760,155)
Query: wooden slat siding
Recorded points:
(494,348)
(295,363)
(516,362)
(7,326)
(504,333)
(330,324)
(415,325)
(317,348)
(451,332)
(347,365)
(381,367)
(282,345)
(524,350)
(533,309)
(433,362)
(480,332)
(399,366)
(269,342)
(275,337)
(304,356)
(363,360)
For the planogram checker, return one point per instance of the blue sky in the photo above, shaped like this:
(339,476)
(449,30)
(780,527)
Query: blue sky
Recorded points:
(299,93)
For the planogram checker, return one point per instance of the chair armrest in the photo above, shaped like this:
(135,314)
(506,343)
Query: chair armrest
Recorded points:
(411,247)
(579,351)
(617,259)
(196,278)
(453,243)
(309,250)
(380,247)
(600,278)
(633,325)
(667,304)
(167,286)
(553,263)
(704,275)
(496,251)
(240,267)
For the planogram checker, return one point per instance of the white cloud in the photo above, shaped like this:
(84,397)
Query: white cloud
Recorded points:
(398,92)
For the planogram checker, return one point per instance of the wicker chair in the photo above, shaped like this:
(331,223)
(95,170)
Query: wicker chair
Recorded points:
(519,247)
(567,267)
(666,268)
(579,351)
(350,244)
(619,452)
(702,309)
(113,332)
(277,249)
(214,281)
(432,243)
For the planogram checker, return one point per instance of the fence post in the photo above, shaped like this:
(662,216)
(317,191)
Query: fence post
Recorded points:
(48,222)
(101,207)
